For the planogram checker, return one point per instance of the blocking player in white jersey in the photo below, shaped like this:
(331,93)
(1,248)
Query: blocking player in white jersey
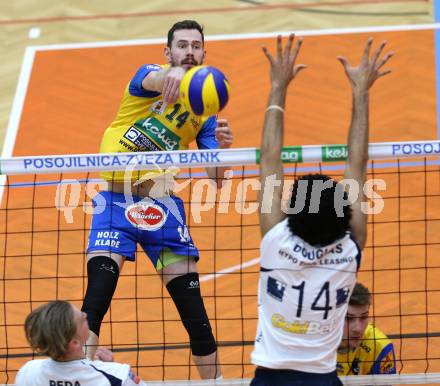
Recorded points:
(60,331)
(309,257)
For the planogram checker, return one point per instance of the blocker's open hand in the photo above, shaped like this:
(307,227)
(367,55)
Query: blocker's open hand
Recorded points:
(283,68)
(370,68)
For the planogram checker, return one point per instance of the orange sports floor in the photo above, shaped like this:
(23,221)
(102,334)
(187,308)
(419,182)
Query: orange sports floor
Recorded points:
(73,94)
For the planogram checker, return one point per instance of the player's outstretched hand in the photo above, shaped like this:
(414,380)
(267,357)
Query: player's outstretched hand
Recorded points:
(103,354)
(365,74)
(282,66)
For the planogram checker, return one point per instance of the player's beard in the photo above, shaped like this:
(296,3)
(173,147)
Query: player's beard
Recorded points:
(185,62)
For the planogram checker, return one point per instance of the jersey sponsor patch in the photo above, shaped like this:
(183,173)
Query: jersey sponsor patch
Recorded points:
(107,239)
(138,138)
(146,216)
(387,364)
(342,296)
(276,288)
(158,107)
(153,67)
(159,133)
(302,327)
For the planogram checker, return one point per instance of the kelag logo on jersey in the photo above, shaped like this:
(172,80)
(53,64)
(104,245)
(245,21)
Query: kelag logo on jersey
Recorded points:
(145,216)
(275,288)
(159,133)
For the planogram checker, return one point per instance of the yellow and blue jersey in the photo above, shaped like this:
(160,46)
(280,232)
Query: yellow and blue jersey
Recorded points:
(374,355)
(145,123)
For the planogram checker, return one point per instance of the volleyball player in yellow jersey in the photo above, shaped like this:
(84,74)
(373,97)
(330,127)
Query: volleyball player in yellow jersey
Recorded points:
(151,118)
(364,349)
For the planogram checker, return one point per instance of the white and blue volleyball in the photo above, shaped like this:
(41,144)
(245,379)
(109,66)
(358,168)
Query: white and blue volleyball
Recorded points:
(204,90)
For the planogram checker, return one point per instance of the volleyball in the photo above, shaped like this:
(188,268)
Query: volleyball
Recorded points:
(204,90)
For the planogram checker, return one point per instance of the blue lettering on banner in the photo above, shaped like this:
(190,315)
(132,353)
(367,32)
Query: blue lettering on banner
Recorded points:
(167,158)
(69,162)
(119,160)
(199,158)
(141,159)
(116,161)
(91,161)
(59,162)
(416,148)
(105,160)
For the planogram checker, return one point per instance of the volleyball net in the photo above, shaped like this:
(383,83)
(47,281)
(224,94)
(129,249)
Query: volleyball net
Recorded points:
(45,219)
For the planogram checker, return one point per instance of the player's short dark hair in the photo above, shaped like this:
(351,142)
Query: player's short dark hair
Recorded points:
(325,226)
(50,327)
(361,296)
(184,24)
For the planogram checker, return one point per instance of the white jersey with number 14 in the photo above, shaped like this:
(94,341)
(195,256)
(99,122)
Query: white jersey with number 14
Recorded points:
(302,300)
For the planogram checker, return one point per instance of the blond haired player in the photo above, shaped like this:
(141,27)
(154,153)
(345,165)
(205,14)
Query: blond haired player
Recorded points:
(60,330)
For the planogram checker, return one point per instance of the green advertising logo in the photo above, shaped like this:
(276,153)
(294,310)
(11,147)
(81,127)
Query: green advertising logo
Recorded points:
(334,153)
(159,133)
(289,154)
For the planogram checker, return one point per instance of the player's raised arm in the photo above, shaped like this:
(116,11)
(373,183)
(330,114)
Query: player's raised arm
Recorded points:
(282,70)
(166,81)
(361,79)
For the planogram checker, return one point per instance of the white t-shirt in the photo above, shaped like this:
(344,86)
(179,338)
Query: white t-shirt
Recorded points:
(81,372)
(302,300)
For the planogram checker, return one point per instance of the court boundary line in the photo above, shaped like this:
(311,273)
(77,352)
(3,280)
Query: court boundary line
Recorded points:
(243,36)
(226,271)
(17,110)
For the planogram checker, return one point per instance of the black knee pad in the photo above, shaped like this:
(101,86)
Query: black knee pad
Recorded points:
(103,274)
(185,292)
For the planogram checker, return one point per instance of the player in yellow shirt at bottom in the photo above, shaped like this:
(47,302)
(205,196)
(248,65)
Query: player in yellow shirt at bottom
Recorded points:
(364,348)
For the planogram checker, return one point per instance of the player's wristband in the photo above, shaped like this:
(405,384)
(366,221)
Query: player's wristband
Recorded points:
(275,107)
